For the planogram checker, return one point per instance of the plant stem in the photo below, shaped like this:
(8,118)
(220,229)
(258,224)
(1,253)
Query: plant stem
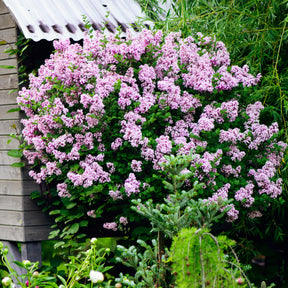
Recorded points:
(202,262)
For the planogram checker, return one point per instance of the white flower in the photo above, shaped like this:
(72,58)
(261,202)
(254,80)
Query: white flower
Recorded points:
(96,276)
(6,281)
(93,240)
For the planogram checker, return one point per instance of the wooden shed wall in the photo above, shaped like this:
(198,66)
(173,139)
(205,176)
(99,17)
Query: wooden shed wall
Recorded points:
(20,218)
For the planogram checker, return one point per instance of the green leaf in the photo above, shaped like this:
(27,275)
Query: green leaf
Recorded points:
(18,164)
(62,280)
(14,110)
(54,212)
(73,229)
(7,67)
(59,219)
(54,234)
(19,264)
(71,205)
(81,236)
(35,194)
(83,223)
(13,90)
(15,153)
(57,245)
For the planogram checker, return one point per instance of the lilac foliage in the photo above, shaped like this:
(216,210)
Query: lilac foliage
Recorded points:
(168,83)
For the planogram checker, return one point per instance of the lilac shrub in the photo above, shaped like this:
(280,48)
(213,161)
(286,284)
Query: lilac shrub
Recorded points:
(102,117)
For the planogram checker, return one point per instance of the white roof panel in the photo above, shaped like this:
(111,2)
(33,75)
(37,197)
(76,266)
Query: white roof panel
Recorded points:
(56,19)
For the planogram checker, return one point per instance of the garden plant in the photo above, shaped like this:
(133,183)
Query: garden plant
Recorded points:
(101,118)
(196,258)
(255,33)
(104,118)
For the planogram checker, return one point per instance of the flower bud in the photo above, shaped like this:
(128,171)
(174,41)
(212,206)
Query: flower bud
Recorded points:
(96,276)
(93,240)
(240,281)
(118,285)
(6,281)
(26,263)
(35,274)
(263,284)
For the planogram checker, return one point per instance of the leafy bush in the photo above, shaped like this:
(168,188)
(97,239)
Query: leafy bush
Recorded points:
(255,33)
(81,271)
(196,258)
(102,117)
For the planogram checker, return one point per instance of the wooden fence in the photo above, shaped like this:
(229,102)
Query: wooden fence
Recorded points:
(20,218)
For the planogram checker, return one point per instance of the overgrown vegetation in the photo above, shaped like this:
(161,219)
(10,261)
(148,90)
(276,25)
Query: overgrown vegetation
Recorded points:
(255,33)
(159,104)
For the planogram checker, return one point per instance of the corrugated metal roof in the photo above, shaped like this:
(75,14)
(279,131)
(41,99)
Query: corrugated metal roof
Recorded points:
(55,19)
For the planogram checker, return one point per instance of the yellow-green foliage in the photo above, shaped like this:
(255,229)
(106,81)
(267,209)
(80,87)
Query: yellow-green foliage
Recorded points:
(200,260)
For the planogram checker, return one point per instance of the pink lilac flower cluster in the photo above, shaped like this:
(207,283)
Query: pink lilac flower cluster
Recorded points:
(144,95)
(110,226)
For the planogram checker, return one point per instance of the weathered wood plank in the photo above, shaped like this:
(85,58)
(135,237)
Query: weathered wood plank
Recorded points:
(11,187)
(37,233)
(7,21)
(3,7)
(7,97)
(8,62)
(18,187)
(6,126)
(8,82)
(10,173)
(9,35)
(4,55)
(4,115)
(11,203)
(11,233)
(14,173)
(21,234)
(17,203)
(13,144)
(11,218)
(6,159)
(37,218)
(18,218)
